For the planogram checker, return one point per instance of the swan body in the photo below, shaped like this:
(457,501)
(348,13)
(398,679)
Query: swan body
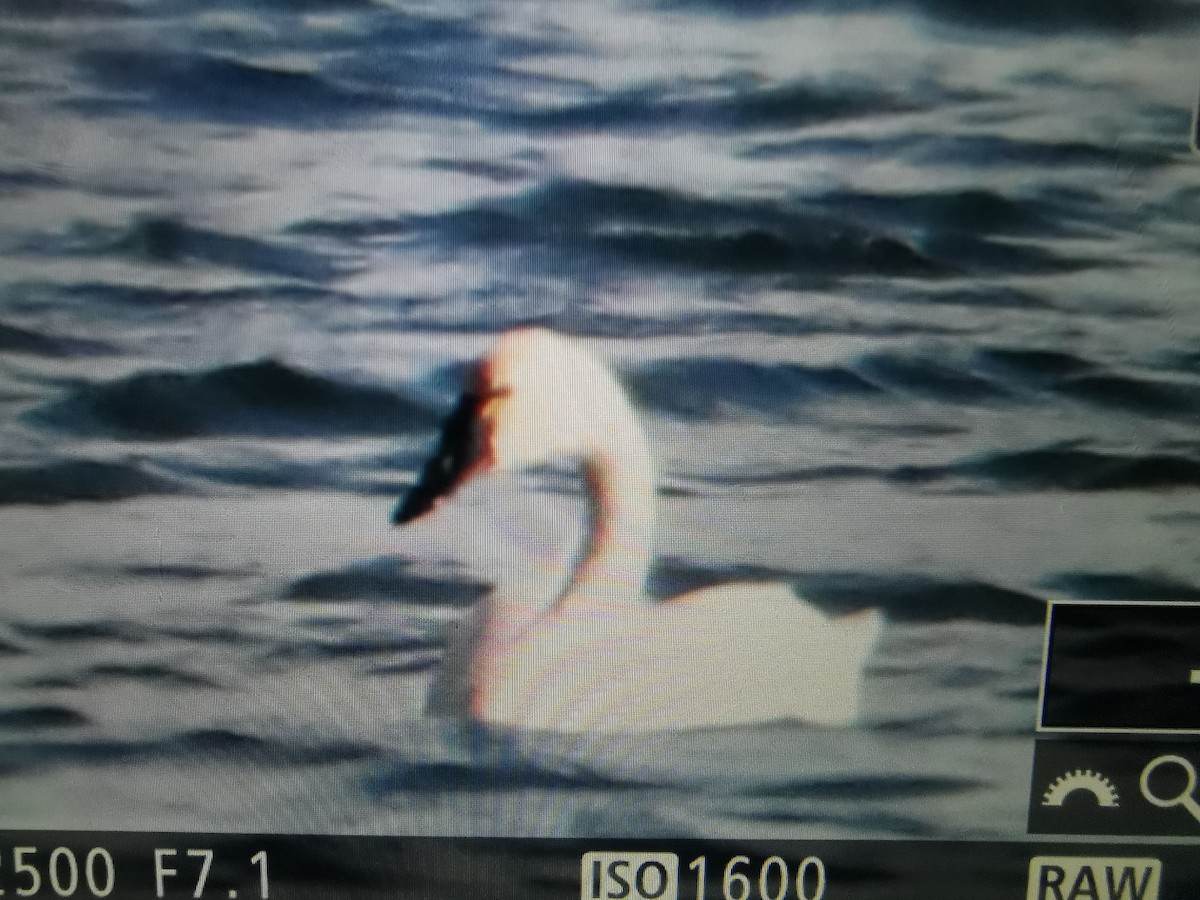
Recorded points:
(599,657)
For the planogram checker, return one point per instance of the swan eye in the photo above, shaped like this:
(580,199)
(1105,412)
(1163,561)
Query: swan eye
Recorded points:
(489,398)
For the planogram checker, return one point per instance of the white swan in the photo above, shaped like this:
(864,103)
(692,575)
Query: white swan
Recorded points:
(600,657)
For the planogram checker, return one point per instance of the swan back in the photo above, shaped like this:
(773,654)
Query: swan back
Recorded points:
(732,655)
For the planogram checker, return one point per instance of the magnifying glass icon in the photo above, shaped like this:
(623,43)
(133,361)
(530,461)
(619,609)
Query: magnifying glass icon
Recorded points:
(1185,798)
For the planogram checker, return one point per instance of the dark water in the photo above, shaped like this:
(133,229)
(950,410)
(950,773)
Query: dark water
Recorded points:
(904,294)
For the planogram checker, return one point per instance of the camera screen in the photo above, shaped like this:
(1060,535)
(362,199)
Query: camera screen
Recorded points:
(634,449)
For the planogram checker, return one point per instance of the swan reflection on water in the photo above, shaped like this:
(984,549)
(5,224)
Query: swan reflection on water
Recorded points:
(601,657)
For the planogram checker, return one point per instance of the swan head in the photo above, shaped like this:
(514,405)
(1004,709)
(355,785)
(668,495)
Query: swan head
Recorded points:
(538,396)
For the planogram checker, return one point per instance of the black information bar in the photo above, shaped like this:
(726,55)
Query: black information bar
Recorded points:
(1122,667)
(245,867)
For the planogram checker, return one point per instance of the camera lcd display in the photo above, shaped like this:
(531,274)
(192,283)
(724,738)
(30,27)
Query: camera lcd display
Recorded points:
(635,419)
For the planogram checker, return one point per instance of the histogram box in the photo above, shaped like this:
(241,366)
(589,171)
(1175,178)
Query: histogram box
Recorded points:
(1122,667)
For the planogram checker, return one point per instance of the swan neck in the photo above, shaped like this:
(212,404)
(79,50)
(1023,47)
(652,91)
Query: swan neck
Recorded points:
(616,556)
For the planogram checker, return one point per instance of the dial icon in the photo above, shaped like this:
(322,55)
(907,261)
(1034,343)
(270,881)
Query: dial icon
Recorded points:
(1094,783)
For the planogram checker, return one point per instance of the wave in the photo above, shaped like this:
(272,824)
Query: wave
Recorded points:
(984,296)
(868,787)
(922,598)
(77,480)
(1054,468)
(1032,366)
(698,388)
(970,211)
(14,339)
(225,635)
(155,674)
(41,716)
(932,235)
(926,377)
(1024,695)
(720,387)
(982,151)
(199,744)
(181,572)
(202,87)
(1076,378)
(671,575)
(713,388)
(109,630)
(86,299)
(985,255)
(904,597)
(1142,396)
(413,666)
(264,398)
(1120,586)
(384,579)
(65,9)
(354,229)
(734,107)
(986,151)
(91,292)
(499,172)
(279,473)
(164,240)
(864,821)
(304,7)
(914,475)
(383,61)
(414,778)
(128,633)
(962,722)
(350,647)
(392,62)
(1071,468)
(195,747)
(846,250)
(590,322)
(658,227)
(430,61)
(965,677)
(18,180)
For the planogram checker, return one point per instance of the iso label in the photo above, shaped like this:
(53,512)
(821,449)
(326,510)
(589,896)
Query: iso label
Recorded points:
(630,876)
(655,876)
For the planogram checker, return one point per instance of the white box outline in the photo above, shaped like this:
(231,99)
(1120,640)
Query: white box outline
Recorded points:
(1194,137)
(624,855)
(1155,864)
(1104,604)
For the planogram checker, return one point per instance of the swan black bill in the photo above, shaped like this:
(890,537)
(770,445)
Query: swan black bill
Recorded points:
(443,472)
